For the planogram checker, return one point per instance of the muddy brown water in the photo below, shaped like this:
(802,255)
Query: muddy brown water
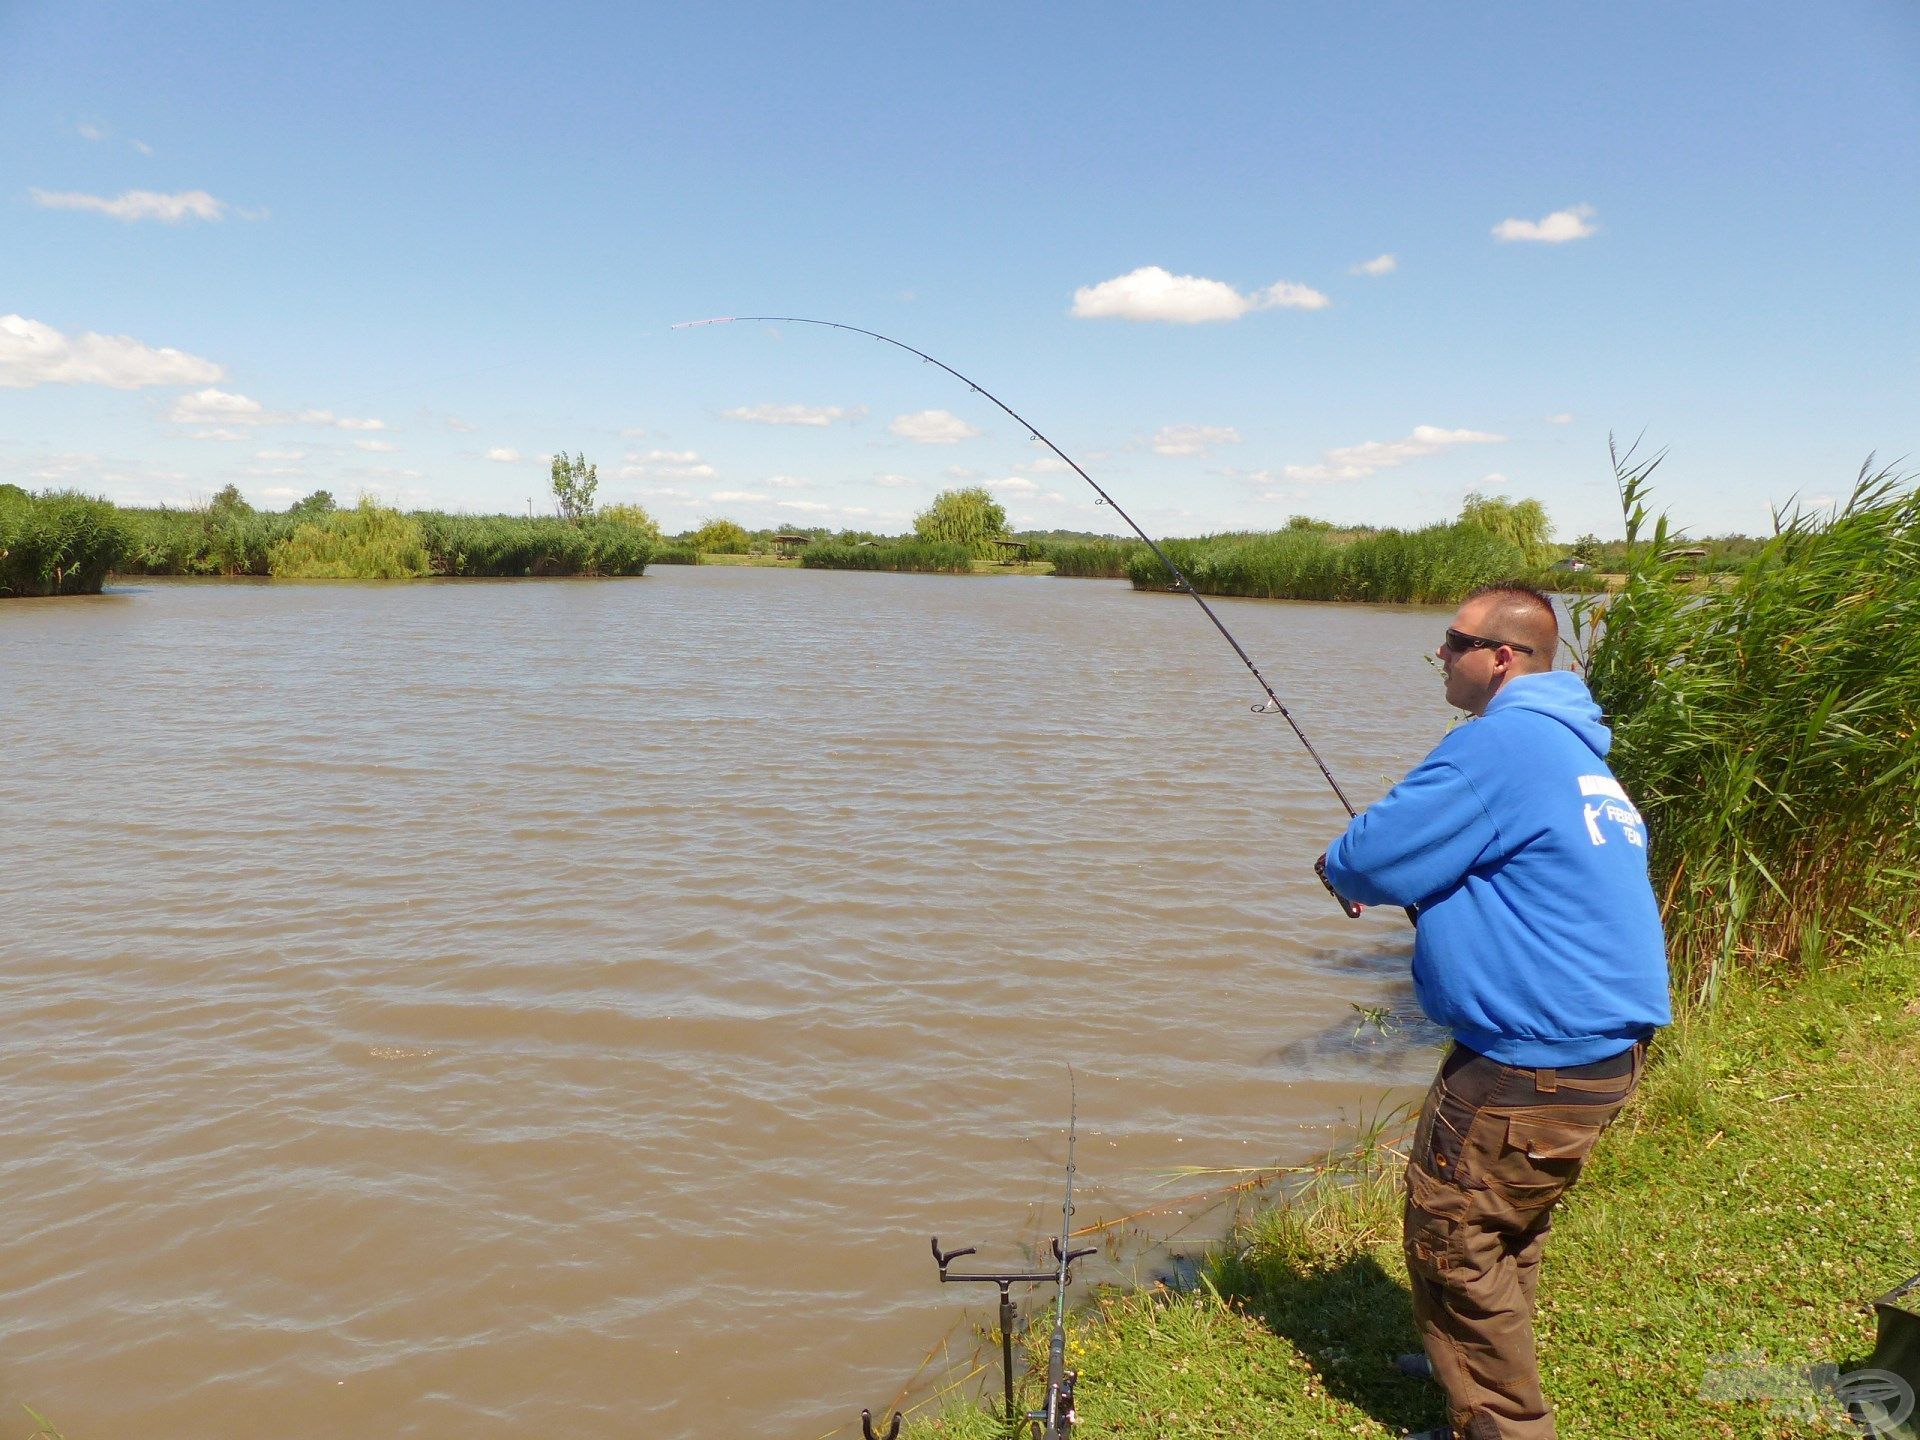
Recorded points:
(492,1009)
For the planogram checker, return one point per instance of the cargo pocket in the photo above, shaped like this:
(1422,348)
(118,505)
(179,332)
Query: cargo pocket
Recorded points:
(1542,1156)
(1434,1212)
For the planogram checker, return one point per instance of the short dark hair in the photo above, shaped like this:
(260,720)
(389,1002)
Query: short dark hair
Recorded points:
(1519,599)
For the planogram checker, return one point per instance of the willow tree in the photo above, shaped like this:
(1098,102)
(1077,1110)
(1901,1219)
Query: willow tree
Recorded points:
(1524,522)
(969,517)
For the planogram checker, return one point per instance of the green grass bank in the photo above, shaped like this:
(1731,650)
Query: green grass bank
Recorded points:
(1756,1194)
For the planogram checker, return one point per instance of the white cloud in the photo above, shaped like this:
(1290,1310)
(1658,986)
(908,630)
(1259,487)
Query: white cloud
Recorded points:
(1357,462)
(91,130)
(32,353)
(1555,229)
(1152,293)
(817,415)
(378,447)
(1565,417)
(1045,465)
(137,204)
(218,432)
(666,464)
(142,146)
(735,497)
(1379,265)
(894,482)
(505,454)
(932,427)
(223,407)
(788,482)
(1495,479)
(1013,485)
(455,423)
(1192,439)
(805,507)
(635,432)
(216,407)
(280,455)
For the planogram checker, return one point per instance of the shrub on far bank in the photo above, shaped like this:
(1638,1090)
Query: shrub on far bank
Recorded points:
(368,542)
(57,543)
(721,537)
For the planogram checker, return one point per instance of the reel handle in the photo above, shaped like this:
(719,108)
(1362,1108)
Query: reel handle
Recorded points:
(1320,869)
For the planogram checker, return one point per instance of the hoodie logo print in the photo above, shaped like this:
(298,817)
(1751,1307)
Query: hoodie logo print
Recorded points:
(1613,807)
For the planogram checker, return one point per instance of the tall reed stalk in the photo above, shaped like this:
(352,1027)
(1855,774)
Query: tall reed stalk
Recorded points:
(1769,729)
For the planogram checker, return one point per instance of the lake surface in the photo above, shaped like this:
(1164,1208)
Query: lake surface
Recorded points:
(491,1009)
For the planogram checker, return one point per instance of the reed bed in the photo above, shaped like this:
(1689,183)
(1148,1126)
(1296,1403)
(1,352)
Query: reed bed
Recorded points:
(935,557)
(57,544)
(1089,559)
(1434,566)
(1769,729)
(211,540)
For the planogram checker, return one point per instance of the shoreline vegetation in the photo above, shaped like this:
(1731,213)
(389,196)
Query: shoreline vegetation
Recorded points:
(63,543)
(1725,1239)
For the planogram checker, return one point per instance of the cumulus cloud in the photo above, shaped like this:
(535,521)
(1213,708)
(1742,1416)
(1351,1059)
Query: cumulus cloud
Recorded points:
(92,130)
(33,353)
(817,415)
(1573,223)
(459,426)
(805,507)
(735,497)
(634,432)
(223,407)
(377,447)
(667,464)
(932,427)
(1357,462)
(505,454)
(1379,265)
(1013,485)
(788,482)
(1193,439)
(1565,417)
(894,482)
(288,455)
(137,204)
(1153,293)
(1494,479)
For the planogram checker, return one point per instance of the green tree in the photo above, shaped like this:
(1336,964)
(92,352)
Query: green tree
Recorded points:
(969,517)
(1587,549)
(319,503)
(1524,522)
(634,517)
(721,537)
(574,482)
(229,502)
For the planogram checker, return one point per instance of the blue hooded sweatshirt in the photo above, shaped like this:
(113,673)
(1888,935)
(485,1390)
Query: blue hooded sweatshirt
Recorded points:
(1539,938)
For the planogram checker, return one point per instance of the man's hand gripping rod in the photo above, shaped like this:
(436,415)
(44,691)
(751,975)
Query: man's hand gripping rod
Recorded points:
(1180,581)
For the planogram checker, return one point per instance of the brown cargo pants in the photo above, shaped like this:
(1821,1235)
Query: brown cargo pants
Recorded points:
(1496,1147)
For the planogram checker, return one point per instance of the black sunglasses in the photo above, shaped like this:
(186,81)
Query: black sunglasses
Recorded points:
(1459,642)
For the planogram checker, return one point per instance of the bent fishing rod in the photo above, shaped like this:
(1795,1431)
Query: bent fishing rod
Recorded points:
(1273,705)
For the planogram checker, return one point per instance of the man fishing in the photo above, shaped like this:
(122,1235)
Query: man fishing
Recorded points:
(1539,947)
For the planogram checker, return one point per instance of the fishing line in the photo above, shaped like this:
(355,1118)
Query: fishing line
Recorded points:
(1180,581)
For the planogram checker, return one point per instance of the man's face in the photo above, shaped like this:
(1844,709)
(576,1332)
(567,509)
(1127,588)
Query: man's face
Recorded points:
(1473,675)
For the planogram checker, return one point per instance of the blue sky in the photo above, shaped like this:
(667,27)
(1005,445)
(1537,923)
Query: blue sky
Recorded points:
(412,250)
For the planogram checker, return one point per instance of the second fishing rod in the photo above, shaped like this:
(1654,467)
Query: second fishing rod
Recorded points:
(1272,705)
